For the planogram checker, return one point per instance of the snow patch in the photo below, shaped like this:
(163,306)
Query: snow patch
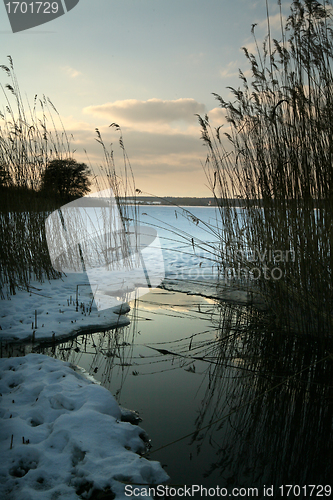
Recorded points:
(61,435)
(57,309)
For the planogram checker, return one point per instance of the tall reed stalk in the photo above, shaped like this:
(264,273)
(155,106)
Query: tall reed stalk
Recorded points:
(29,139)
(27,142)
(279,163)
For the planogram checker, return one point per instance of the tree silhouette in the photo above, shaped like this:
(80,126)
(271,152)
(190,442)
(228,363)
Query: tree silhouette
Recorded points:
(66,179)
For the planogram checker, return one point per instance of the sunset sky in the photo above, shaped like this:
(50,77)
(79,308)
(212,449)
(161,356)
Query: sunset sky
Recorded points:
(150,66)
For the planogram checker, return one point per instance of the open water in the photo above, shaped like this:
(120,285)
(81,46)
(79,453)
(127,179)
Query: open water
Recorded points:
(228,401)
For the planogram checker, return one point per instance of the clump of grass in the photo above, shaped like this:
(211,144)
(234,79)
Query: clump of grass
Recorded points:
(29,141)
(27,144)
(279,164)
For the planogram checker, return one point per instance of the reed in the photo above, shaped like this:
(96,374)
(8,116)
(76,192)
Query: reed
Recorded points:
(27,144)
(119,179)
(31,137)
(266,391)
(277,158)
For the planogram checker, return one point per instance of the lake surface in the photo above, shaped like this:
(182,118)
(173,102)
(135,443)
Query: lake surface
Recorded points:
(254,413)
(226,399)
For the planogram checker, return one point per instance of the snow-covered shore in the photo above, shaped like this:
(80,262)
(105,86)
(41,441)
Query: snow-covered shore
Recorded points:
(49,311)
(62,436)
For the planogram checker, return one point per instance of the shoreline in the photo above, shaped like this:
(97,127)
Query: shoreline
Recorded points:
(57,316)
(235,293)
(51,312)
(63,435)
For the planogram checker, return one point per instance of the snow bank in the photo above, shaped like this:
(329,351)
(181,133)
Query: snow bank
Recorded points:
(53,306)
(61,435)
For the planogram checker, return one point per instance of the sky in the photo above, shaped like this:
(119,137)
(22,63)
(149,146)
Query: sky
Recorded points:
(150,66)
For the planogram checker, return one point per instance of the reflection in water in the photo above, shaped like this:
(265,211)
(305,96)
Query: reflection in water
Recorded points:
(269,402)
(255,404)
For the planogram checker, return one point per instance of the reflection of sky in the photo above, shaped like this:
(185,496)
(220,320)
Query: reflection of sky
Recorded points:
(180,302)
(169,326)
(149,66)
(166,394)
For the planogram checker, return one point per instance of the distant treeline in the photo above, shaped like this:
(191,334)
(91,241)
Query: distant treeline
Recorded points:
(182,201)
(14,198)
(214,202)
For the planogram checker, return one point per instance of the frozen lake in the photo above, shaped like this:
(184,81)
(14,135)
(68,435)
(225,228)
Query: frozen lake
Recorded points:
(227,400)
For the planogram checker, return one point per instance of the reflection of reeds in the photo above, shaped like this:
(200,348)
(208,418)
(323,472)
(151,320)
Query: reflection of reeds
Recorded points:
(280,166)
(267,404)
(108,354)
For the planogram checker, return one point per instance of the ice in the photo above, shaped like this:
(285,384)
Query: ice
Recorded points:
(53,305)
(93,236)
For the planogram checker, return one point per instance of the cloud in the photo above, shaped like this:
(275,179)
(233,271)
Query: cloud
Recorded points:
(231,70)
(153,111)
(71,72)
(169,161)
(274,23)
(217,117)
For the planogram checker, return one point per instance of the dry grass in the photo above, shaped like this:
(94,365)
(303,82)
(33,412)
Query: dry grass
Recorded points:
(30,140)
(280,163)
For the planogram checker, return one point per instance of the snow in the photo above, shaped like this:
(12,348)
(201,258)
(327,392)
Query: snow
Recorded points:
(61,435)
(53,303)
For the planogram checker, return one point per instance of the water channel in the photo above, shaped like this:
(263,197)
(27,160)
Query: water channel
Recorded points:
(226,400)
